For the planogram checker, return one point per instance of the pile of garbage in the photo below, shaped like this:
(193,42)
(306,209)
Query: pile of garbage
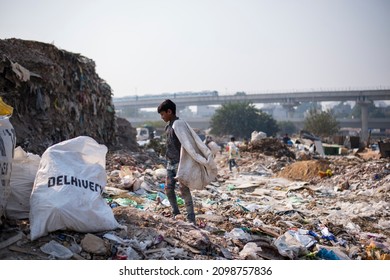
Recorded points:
(56,95)
(258,214)
(269,147)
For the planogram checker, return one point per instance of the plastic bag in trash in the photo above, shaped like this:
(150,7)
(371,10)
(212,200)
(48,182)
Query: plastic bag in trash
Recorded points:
(56,250)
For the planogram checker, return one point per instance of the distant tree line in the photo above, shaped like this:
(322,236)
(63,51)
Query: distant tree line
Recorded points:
(240,119)
(345,110)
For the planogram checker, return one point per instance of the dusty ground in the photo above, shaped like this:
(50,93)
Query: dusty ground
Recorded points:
(304,170)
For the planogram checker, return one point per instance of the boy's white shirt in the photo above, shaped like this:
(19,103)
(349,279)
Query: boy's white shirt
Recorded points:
(196,167)
(233,147)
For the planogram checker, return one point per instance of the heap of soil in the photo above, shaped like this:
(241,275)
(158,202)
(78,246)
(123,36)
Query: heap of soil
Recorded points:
(304,170)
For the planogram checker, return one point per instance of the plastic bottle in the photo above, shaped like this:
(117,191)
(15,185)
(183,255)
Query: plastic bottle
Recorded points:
(312,233)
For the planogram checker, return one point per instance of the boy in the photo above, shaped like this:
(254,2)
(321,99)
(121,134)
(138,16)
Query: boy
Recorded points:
(189,160)
(234,153)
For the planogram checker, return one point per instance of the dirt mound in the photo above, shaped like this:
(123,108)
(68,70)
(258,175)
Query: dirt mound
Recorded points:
(304,170)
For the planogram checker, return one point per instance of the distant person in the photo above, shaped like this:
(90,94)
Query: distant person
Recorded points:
(286,139)
(233,153)
(189,161)
(312,148)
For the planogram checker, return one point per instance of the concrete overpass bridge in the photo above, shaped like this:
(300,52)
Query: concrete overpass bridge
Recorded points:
(283,98)
(287,99)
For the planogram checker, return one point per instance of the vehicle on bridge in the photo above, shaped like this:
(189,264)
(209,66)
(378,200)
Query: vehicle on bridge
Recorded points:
(163,96)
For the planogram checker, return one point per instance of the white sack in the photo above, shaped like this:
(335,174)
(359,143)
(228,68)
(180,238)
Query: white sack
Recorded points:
(24,169)
(7,146)
(197,167)
(258,135)
(68,187)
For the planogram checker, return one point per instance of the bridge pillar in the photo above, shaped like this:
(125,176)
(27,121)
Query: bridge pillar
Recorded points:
(364,118)
(289,111)
(289,107)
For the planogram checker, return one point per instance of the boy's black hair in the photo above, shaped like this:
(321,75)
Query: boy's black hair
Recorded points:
(165,105)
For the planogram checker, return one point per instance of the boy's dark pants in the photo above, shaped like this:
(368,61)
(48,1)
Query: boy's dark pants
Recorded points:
(232,163)
(185,193)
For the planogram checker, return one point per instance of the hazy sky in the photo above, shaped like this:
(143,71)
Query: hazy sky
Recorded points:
(155,46)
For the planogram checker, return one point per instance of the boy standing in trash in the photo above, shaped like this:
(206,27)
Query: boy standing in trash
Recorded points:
(233,153)
(189,160)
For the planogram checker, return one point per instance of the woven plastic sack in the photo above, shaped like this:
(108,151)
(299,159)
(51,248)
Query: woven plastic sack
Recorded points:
(24,169)
(67,192)
(7,146)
